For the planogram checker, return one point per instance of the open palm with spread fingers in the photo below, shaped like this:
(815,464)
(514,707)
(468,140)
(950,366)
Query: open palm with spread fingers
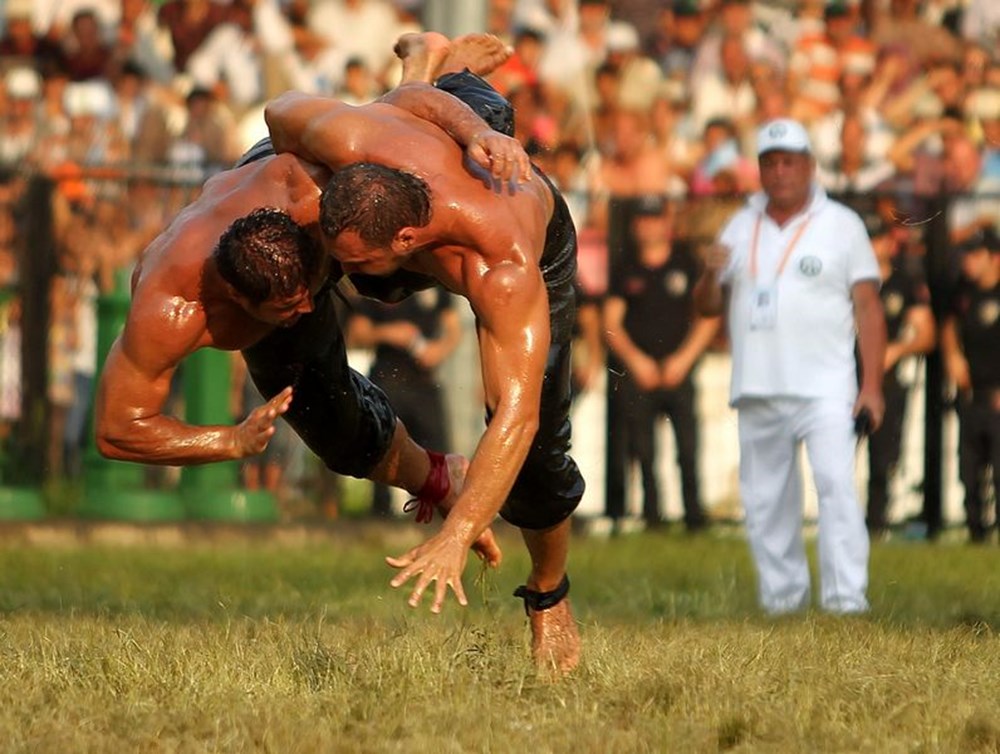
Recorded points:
(254,433)
(440,560)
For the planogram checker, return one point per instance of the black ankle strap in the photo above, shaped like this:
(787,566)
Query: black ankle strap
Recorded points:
(543,600)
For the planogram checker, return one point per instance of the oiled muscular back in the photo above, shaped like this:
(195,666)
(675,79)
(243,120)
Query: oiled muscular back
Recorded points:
(175,259)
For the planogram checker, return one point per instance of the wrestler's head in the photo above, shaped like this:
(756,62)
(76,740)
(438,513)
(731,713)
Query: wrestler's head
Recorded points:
(368,215)
(270,263)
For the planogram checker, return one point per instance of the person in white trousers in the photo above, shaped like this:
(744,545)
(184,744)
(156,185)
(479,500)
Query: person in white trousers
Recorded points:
(797,277)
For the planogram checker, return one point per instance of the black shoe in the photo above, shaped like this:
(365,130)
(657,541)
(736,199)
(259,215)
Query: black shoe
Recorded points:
(698,525)
(977,536)
(657,524)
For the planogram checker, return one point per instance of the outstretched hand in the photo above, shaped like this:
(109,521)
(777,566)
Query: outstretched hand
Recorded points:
(501,155)
(254,433)
(440,559)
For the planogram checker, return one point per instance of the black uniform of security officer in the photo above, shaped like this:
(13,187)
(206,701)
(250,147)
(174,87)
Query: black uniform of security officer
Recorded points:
(411,339)
(911,331)
(651,327)
(970,343)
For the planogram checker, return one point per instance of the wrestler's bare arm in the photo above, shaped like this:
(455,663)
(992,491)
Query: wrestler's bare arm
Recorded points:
(135,382)
(292,122)
(511,305)
(503,156)
(332,133)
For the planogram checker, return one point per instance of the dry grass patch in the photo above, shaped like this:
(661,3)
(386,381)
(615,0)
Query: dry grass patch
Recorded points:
(277,649)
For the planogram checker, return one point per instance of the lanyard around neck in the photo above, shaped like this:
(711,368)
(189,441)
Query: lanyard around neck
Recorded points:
(788,249)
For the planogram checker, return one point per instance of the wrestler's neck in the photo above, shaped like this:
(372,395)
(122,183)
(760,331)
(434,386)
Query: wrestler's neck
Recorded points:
(445,229)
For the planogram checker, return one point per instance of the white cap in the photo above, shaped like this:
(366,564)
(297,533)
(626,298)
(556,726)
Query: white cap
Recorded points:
(783,134)
(92,98)
(621,36)
(22,83)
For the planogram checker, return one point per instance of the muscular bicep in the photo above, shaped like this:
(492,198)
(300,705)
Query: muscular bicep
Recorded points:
(327,131)
(511,305)
(307,126)
(135,379)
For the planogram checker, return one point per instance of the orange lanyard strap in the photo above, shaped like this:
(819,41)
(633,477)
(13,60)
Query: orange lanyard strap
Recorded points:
(788,249)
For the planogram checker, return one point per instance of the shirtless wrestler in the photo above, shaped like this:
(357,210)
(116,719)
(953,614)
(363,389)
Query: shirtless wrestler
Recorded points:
(403,200)
(241,268)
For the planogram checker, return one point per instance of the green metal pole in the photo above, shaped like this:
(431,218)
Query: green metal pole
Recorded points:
(116,490)
(211,491)
(16,503)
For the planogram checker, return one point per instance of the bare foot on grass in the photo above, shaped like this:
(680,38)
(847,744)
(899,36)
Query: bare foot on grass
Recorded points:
(555,641)
(480,53)
(485,546)
(422,54)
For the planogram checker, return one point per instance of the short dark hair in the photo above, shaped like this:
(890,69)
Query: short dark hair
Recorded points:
(267,254)
(375,201)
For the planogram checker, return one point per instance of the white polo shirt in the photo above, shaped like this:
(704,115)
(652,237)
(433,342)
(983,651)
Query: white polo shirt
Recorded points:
(809,350)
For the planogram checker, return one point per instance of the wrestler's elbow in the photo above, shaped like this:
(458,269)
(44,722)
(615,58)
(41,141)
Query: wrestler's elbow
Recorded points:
(112,438)
(277,116)
(523,425)
(109,444)
(109,448)
(277,108)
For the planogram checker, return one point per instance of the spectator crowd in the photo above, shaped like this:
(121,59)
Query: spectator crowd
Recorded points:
(125,106)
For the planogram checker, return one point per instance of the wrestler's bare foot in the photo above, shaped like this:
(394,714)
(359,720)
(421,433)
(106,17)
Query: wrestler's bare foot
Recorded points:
(480,53)
(555,641)
(485,546)
(422,55)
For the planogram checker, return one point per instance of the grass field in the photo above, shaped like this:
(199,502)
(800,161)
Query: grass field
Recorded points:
(243,646)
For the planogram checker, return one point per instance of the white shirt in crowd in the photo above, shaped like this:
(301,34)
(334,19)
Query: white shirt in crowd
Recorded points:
(809,351)
(366,29)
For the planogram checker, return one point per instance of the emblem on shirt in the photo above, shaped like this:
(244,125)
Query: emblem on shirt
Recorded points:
(810,266)
(988,312)
(676,283)
(893,304)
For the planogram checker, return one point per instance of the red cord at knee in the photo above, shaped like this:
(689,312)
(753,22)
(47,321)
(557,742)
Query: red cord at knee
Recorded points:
(435,489)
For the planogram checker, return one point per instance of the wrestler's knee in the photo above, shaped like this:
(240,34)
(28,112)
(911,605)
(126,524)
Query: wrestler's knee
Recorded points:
(358,443)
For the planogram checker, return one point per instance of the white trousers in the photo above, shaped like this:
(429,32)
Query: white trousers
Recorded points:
(770,431)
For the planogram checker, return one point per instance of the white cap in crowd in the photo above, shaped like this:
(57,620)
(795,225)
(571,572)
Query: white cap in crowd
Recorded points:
(93,98)
(783,134)
(22,83)
(621,36)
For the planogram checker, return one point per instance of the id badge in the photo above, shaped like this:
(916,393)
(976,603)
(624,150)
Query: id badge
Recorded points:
(764,307)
